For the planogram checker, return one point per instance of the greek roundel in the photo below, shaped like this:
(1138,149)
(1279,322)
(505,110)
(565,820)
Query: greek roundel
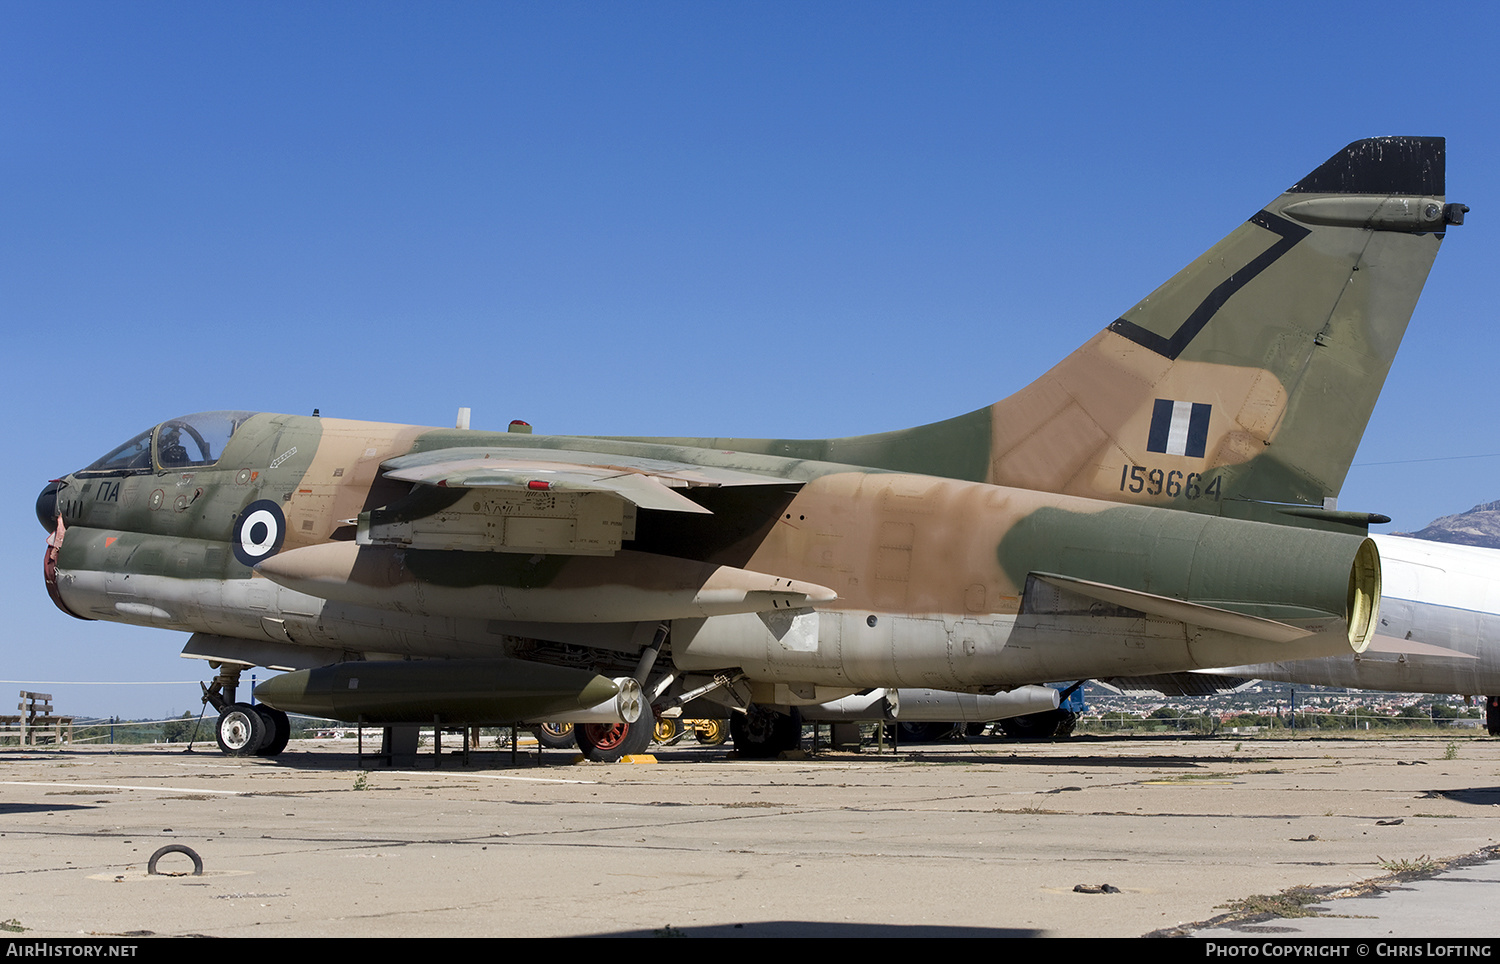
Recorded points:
(258,532)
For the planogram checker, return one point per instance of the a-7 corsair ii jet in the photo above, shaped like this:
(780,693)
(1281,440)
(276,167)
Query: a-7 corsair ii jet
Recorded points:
(1111,519)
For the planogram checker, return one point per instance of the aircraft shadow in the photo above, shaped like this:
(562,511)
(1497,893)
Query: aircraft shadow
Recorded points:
(1080,760)
(1478,796)
(812,928)
(9,809)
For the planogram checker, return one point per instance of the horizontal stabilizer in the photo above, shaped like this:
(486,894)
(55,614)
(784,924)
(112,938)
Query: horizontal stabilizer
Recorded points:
(1410,647)
(1178,684)
(1179,610)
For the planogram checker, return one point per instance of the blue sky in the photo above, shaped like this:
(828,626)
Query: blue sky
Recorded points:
(792,219)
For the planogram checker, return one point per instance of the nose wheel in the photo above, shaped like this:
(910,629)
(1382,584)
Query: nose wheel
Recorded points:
(241,730)
(246,730)
(278,730)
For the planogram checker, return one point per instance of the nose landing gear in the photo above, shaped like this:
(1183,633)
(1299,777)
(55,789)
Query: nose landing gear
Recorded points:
(243,729)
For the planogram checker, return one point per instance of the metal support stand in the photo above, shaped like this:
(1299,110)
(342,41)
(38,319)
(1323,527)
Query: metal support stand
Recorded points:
(437,741)
(843,736)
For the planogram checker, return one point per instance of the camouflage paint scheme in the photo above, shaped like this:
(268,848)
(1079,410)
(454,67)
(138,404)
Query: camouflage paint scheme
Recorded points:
(1030,541)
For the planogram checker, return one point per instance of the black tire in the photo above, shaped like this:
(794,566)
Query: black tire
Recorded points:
(925,732)
(608,742)
(760,733)
(1492,715)
(241,730)
(188,852)
(555,736)
(1034,726)
(278,730)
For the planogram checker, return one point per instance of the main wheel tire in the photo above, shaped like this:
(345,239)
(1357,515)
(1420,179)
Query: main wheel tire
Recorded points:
(608,742)
(555,736)
(760,733)
(1066,724)
(1033,726)
(710,732)
(278,730)
(241,730)
(925,732)
(1492,715)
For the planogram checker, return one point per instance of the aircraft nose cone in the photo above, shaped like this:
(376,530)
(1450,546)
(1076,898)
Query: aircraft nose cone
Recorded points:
(46,505)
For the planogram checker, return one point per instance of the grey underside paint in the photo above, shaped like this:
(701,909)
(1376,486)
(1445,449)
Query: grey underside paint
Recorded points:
(1472,668)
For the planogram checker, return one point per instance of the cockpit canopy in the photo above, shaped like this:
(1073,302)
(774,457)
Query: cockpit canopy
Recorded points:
(186,442)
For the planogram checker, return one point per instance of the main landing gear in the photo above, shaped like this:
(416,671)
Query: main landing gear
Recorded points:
(760,733)
(608,742)
(1034,727)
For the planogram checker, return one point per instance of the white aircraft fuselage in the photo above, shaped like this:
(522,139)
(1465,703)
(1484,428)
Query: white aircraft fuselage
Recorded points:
(1439,628)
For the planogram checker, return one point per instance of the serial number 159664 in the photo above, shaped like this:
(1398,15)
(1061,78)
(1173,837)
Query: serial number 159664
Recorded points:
(1176,485)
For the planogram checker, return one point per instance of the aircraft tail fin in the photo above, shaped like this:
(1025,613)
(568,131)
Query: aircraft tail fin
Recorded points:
(1250,375)
(1243,382)
(1247,378)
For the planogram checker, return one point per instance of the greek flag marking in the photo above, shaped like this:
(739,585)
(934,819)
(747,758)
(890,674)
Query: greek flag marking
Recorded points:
(1179,428)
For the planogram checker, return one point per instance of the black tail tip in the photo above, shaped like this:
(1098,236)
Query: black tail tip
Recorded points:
(1381,165)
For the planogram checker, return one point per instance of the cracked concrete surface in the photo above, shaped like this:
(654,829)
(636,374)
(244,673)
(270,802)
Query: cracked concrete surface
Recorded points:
(989,839)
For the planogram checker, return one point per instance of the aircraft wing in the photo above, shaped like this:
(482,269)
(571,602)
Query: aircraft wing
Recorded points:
(644,482)
(523,499)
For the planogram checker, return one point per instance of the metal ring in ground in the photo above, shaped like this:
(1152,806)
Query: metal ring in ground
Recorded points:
(176,848)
